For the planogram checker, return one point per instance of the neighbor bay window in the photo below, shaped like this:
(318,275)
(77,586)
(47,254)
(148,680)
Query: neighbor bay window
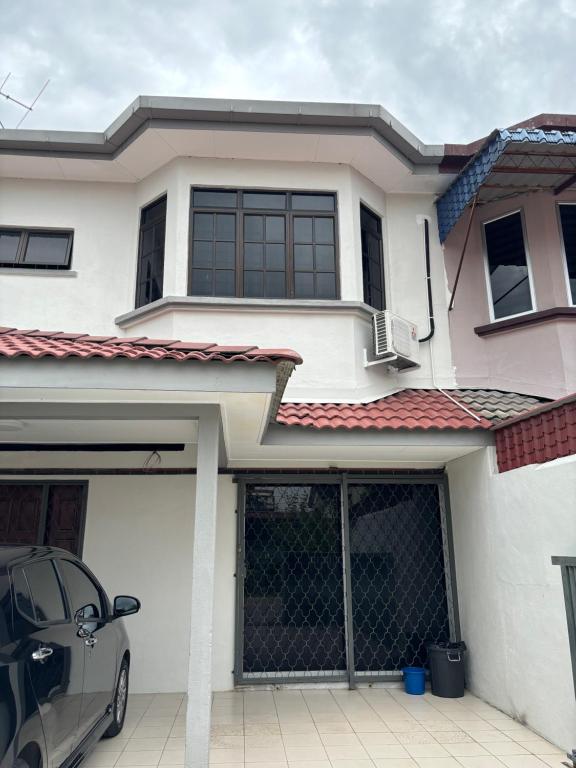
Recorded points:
(507,264)
(568,221)
(262,244)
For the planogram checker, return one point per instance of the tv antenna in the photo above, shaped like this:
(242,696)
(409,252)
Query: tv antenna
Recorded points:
(26,107)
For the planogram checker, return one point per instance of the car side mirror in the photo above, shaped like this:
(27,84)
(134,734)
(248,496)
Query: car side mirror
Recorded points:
(124,605)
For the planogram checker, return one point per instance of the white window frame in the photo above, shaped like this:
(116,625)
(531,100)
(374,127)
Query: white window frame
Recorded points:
(571,301)
(534,308)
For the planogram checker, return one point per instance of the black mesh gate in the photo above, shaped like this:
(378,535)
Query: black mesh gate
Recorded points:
(341,578)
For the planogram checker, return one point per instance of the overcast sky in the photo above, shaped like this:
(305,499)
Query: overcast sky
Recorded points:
(450,70)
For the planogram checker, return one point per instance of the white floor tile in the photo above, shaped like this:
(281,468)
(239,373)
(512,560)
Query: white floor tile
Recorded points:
(143,757)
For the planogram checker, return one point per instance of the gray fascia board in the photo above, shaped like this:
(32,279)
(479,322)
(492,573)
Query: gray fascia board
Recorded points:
(136,375)
(278,434)
(147,109)
(190,303)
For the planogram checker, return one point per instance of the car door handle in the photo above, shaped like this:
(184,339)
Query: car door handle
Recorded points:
(42,653)
(91,641)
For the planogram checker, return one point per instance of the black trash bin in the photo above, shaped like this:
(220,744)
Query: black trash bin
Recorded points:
(446,662)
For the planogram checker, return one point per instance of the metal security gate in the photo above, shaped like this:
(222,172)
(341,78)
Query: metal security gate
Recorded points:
(341,578)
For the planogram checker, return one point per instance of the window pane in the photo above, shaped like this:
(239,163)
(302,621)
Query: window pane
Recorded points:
(324,230)
(224,282)
(264,200)
(154,212)
(22,593)
(275,228)
(509,278)
(253,284)
(225,255)
(214,198)
(568,219)
(9,246)
(275,257)
(202,253)
(202,282)
(304,285)
(45,248)
(203,226)
(303,257)
(275,285)
(325,286)
(372,258)
(302,230)
(147,241)
(46,592)
(253,256)
(225,226)
(254,228)
(313,202)
(325,258)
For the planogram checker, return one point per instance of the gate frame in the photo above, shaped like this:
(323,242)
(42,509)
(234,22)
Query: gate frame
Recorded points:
(342,478)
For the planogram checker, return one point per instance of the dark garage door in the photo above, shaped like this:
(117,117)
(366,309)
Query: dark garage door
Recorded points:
(43,513)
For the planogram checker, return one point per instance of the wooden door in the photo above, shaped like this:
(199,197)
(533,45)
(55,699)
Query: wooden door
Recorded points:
(20,513)
(64,518)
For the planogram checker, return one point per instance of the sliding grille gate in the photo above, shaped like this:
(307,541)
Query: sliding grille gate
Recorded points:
(341,578)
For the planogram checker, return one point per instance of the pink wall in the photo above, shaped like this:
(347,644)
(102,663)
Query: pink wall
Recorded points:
(537,359)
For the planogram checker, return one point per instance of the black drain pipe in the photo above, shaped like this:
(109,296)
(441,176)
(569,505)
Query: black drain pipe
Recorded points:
(428,283)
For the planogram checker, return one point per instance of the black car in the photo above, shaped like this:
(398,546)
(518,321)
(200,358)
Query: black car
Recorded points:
(64,658)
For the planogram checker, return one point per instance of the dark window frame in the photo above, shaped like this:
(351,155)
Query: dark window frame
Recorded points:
(142,226)
(378,218)
(530,276)
(24,233)
(566,204)
(42,526)
(239,212)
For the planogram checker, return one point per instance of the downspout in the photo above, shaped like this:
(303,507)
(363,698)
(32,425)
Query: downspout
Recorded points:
(431,316)
(428,283)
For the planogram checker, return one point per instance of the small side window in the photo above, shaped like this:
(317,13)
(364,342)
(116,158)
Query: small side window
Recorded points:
(35,249)
(45,592)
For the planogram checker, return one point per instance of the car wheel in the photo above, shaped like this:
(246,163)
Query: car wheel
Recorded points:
(120,702)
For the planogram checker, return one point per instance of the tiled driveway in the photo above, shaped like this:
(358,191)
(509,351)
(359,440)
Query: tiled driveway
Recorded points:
(367,728)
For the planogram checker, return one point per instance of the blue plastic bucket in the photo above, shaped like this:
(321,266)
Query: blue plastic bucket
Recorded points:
(414,680)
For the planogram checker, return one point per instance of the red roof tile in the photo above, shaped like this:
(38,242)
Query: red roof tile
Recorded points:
(34,343)
(409,409)
(537,436)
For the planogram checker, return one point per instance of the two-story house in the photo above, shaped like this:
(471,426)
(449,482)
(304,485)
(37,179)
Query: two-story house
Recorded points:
(195,394)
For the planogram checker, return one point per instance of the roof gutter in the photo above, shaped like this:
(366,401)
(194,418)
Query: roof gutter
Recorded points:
(221,114)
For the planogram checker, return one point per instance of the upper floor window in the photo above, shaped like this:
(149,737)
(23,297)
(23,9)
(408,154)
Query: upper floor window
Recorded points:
(372,259)
(568,221)
(150,277)
(254,244)
(35,248)
(508,270)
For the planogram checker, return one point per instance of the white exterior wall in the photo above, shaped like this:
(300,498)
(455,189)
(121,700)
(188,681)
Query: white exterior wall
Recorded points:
(506,529)
(105,218)
(138,541)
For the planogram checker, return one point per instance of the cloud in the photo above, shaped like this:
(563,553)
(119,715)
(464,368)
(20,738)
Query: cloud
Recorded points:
(450,70)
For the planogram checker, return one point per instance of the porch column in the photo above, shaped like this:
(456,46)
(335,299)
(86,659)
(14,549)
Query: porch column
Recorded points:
(202,608)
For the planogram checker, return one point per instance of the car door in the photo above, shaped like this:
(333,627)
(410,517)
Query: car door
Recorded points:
(47,641)
(89,607)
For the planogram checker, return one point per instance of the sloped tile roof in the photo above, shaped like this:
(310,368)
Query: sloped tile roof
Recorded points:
(496,405)
(411,409)
(36,344)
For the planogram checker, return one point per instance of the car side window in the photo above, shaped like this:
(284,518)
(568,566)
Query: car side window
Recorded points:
(85,597)
(45,592)
(22,593)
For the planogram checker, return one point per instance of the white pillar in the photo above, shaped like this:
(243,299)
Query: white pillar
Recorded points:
(203,564)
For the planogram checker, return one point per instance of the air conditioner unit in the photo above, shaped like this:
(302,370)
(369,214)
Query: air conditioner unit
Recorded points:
(395,340)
